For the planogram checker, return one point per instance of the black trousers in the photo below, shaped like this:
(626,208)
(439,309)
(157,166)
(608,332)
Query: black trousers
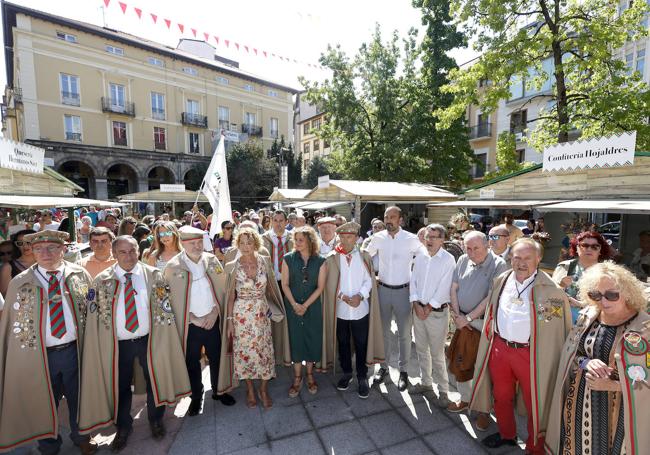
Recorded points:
(198,338)
(128,351)
(64,376)
(356,330)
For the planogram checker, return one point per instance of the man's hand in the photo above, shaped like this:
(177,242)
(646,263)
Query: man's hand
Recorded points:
(460,321)
(354,301)
(210,319)
(566,282)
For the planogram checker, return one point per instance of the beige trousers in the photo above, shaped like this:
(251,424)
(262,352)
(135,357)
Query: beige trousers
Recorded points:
(430,336)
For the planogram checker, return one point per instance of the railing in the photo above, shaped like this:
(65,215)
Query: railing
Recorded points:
(70,98)
(119,141)
(110,105)
(480,130)
(69,136)
(191,119)
(158,114)
(252,130)
(519,131)
(160,145)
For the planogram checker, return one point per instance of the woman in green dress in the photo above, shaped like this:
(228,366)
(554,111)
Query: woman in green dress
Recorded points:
(303,280)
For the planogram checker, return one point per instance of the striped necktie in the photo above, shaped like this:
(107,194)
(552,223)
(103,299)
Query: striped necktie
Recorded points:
(57,319)
(280,253)
(130,313)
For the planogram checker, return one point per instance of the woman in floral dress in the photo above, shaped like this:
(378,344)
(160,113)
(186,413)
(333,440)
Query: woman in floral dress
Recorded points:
(253,301)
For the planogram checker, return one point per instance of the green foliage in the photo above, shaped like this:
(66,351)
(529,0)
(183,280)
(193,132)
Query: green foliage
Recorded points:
(379,106)
(317,168)
(251,175)
(506,157)
(589,87)
(195,175)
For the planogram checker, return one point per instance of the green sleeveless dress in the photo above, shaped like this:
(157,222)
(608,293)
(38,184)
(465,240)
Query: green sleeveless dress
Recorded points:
(305,332)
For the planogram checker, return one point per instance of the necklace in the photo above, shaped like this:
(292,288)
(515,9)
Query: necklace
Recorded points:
(518,300)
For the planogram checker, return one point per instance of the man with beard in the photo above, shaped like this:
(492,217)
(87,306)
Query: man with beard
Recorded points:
(278,241)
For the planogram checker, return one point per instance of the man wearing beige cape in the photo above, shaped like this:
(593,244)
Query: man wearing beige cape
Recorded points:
(351,310)
(198,290)
(41,339)
(129,317)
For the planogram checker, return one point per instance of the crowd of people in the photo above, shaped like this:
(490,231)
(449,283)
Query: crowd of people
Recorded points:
(308,291)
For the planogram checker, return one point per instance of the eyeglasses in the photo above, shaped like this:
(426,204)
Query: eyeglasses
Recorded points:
(433,237)
(21,243)
(165,234)
(495,236)
(43,249)
(593,246)
(305,275)
(610,295)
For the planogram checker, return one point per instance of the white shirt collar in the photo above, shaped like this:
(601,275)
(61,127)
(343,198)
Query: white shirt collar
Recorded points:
(119,271)
(526,281)
(43,271)
(273,234)
(437,255)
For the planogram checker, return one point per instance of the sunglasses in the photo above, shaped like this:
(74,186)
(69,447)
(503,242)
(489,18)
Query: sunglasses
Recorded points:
(495,236)
(165,234)
(611,296)
(593,246)
(305,275)
(21,243)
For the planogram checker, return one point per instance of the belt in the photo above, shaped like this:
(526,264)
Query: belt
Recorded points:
(441,309)
(399,286)
(61,347)
(134,340)
(514,344)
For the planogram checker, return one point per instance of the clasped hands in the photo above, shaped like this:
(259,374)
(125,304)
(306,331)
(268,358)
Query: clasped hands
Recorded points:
(205,322)
(598,377)
(422,312)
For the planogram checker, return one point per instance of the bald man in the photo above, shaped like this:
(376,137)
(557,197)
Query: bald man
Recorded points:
(499,240)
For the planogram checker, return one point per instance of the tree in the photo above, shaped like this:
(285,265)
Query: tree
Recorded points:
(564,52)
(251,175)
(194,176)
(506,156)
(281,153)
(317,168)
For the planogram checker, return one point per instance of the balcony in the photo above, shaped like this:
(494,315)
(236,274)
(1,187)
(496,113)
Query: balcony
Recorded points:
(160,145)
(519,131)
(69,136)
(70,98)
(111,105)
(119,141)
(251,130)
(191,119)
(480,131)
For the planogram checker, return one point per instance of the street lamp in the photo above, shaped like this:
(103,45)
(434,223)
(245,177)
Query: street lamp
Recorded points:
(284,169)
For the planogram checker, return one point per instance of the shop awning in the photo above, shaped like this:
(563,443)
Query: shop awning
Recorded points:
(629,206)
(496,204)
(316,205)
(162,196)
(45,202)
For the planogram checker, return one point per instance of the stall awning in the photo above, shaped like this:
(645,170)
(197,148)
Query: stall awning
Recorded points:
(629,206)
(496,204)
(45,202)
(316,205)
(162,196)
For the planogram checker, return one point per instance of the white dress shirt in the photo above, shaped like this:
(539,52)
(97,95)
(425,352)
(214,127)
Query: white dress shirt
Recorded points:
(70,329)
(275,239)
(201,300)
(353,279)
(431,278)
(395,255)
(513,319)
(325,248)
(141,303)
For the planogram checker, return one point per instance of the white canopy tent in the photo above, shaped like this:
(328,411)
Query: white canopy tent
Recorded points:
(44,202)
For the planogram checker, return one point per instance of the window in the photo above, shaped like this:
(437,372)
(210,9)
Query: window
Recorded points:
(273,127)
(114,50)
(156,61)
(521,155)
(479,168)
(306,165)
(158,106)
(222,80)
(305,128)
(72,126)
(66,37)
(316,145)
(119,133)
(249,88)
(518,121)
(192,107)
(159,138)
(629,62)
(305,147)
(117,97)
(194,143)
(273,93)
(315,124)
(516,87)
(224,118)
(326,144)
(250,119)
(191,71)
(69,89)
(640,61)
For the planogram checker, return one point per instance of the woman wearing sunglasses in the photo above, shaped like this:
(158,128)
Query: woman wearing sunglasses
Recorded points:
(223,241)
(166,245)
(23,258)
(303,277)
(602,393)
(587,249)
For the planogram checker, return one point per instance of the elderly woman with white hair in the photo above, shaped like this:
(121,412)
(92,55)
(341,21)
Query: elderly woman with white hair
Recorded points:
(602,395)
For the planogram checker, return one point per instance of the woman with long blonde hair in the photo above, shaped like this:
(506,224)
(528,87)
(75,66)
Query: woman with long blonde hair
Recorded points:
(166,245)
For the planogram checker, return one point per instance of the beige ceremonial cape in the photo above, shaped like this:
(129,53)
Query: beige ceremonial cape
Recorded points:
(550,323)
(99,375)
(279,328)
(375,352)
(636,397)
(27,407)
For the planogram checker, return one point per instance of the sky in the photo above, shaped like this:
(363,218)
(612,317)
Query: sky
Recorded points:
(296,29)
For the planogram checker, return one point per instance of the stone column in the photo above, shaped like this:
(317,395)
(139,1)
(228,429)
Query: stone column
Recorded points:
(101,188)
(143,184)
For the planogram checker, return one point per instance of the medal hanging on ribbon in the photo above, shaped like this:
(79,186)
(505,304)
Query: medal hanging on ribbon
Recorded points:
(634,343)
(518,300)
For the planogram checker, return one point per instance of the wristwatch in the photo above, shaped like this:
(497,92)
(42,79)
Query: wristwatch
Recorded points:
(468,317)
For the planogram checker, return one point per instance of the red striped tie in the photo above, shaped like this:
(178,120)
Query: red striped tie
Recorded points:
(57,319)
(130,312)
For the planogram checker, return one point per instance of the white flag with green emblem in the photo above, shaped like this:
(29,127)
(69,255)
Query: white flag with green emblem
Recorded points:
(215,188)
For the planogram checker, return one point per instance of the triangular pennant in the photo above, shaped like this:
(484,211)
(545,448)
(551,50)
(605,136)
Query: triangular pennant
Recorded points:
(264,52)
(227,42)
(169,23)
(106,2)
(138,11)
(123,6)
(246,47)
(181,27)
(237,46)
(273,55)
(255,50)
(193,32)
(154,18)
(216,38)
(206,36)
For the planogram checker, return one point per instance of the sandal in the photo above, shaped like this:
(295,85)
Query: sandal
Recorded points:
(312,386)
(251,402)
(294,390)
(267,403)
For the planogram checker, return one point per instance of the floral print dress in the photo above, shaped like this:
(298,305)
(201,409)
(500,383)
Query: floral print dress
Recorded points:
(253,354)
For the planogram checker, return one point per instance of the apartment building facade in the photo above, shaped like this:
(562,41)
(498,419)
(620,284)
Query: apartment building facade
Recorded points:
(308,142)
(119,114)
(482,138)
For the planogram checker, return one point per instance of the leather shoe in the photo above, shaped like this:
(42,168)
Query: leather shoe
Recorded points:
(482,421)
(226,399)
(457,407)
(495,440)
(88,447)
(364,390)
(157,430)
(344,382)
(121,439)
(195,407)
(403,382)
(380,376)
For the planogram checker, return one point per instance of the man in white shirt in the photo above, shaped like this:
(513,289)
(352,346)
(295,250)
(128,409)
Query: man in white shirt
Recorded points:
(45,222)
(327,230)
(278,241)
(430,296)
(499,239)
(396,249)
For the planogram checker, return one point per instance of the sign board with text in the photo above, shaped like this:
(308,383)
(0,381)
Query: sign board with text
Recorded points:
(172,188)
(21,157)
(603,152)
